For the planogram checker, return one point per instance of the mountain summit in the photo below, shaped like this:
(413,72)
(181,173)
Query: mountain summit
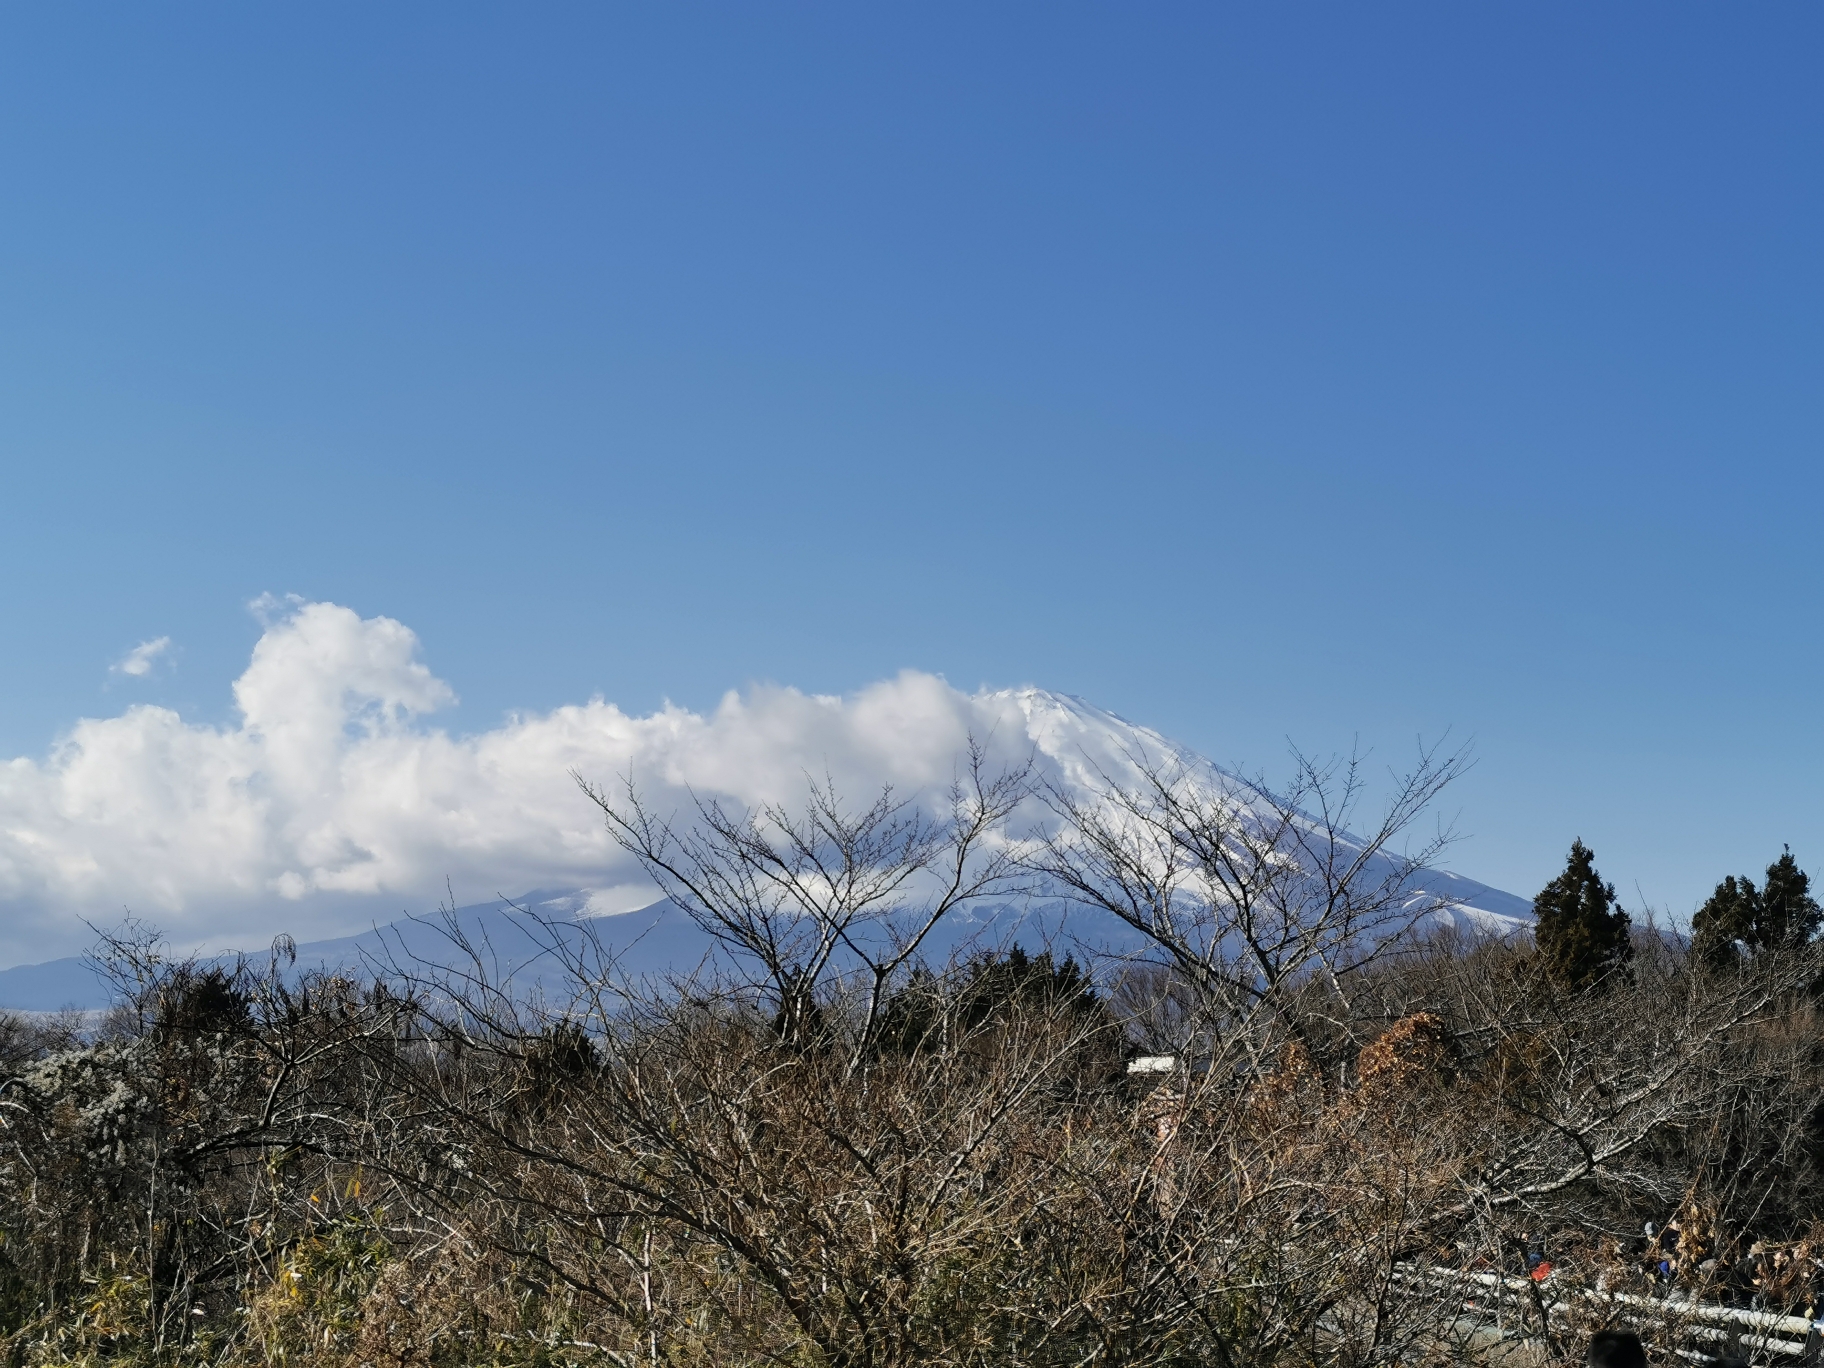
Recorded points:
(1082,748)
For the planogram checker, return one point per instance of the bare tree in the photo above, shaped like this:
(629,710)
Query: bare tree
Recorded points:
(455,1164)
(1245,891)
(829,891)
(642,1155)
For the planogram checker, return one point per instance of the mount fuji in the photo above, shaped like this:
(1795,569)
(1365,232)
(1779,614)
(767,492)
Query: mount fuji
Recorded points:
(1073,746)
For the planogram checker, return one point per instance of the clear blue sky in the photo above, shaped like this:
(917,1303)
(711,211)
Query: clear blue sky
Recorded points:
(1256,371)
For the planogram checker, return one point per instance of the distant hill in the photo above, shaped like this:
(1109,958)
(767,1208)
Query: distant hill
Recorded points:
(655,941)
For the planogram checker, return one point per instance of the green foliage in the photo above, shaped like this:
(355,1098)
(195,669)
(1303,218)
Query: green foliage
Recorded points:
(316,1302)
(923,1011)
(1582,934)
(799,1022)
(1789,914)
(1738,918)
(995,984)
(105,1322)
(201,1001)
(1725,921)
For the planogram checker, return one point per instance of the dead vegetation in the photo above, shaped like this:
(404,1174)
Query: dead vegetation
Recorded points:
(846,1157)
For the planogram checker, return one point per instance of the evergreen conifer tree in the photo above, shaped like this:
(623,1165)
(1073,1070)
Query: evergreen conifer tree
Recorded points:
(1789,914)
(1738,917)
(1726,920)
(1581,934)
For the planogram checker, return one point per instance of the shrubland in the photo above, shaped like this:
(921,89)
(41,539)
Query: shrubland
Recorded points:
(831,1151)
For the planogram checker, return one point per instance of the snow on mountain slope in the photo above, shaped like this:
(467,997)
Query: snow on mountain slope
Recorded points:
(1071,745)
(1082,747)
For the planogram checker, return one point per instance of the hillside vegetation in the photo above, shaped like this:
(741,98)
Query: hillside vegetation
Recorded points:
(832,1153)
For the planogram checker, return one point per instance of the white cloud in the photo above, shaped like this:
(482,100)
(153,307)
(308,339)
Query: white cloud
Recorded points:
(140,660)
(331,800)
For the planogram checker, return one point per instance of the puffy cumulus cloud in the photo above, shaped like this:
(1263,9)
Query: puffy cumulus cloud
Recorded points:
(332,790)
(139,661)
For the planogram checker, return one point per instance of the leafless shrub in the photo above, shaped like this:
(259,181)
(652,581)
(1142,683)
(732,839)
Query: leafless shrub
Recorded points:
(831,891)
(1357,1156)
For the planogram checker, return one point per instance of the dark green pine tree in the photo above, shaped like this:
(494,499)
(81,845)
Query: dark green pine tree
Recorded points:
(1738,917)
(1581,935)
(1726,923)
(1789,915)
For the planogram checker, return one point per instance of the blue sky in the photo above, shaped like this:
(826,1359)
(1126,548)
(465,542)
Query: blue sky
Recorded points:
(1256,372)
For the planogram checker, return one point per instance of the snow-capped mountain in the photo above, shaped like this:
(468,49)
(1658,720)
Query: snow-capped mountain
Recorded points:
(1072,745)
(1080,747)
(329,798)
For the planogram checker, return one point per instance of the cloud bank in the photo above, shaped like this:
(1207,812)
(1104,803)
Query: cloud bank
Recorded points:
(332,799)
